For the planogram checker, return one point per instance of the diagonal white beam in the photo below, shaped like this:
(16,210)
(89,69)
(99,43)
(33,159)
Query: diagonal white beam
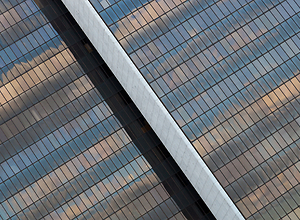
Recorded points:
(153,110)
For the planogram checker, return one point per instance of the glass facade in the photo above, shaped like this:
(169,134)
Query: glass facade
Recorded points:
(228,73)
(72,143)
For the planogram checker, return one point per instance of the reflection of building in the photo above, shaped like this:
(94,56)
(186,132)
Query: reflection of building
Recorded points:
(217,80)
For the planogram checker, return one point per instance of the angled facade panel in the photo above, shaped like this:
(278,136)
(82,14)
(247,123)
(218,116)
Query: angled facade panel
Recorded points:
(158,109)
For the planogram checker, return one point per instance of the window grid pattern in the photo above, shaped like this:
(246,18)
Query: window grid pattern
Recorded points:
(228,73)
(72,143)
(8,4)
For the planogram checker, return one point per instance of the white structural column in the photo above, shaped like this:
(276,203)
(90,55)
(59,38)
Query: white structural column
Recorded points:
(153,110)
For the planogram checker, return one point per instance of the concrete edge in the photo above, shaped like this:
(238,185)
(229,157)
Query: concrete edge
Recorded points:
(153,110)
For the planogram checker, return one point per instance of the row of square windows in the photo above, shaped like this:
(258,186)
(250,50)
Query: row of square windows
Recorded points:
(24,28)
(75,105)
(271,83)
(86,125)
(268,152)
(262,175)
(267,163)
(47,145)
(36,41)
(52,72)
(215,9)
(230,107)
(267,125)
(271,143)
(5,5)
(261,129)
(48,53)
(251,159)
(257,86)
(62,154)
(69,150)
(284,181)
(104,165)
(32,42)
(246,116)
(38,107)
(285,207)
(263,172)
(62,136)
(136,210)
(216,71)
(231,147)
(267,99)
(37,91)
(215,54)
(102,189)
(72,109)
(194,26)
(17,13)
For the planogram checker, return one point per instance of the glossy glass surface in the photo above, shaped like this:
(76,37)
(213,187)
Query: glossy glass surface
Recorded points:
(72,143)
(228,73)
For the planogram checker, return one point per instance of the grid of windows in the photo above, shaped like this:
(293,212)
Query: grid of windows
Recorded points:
(228,73)
(72,143)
